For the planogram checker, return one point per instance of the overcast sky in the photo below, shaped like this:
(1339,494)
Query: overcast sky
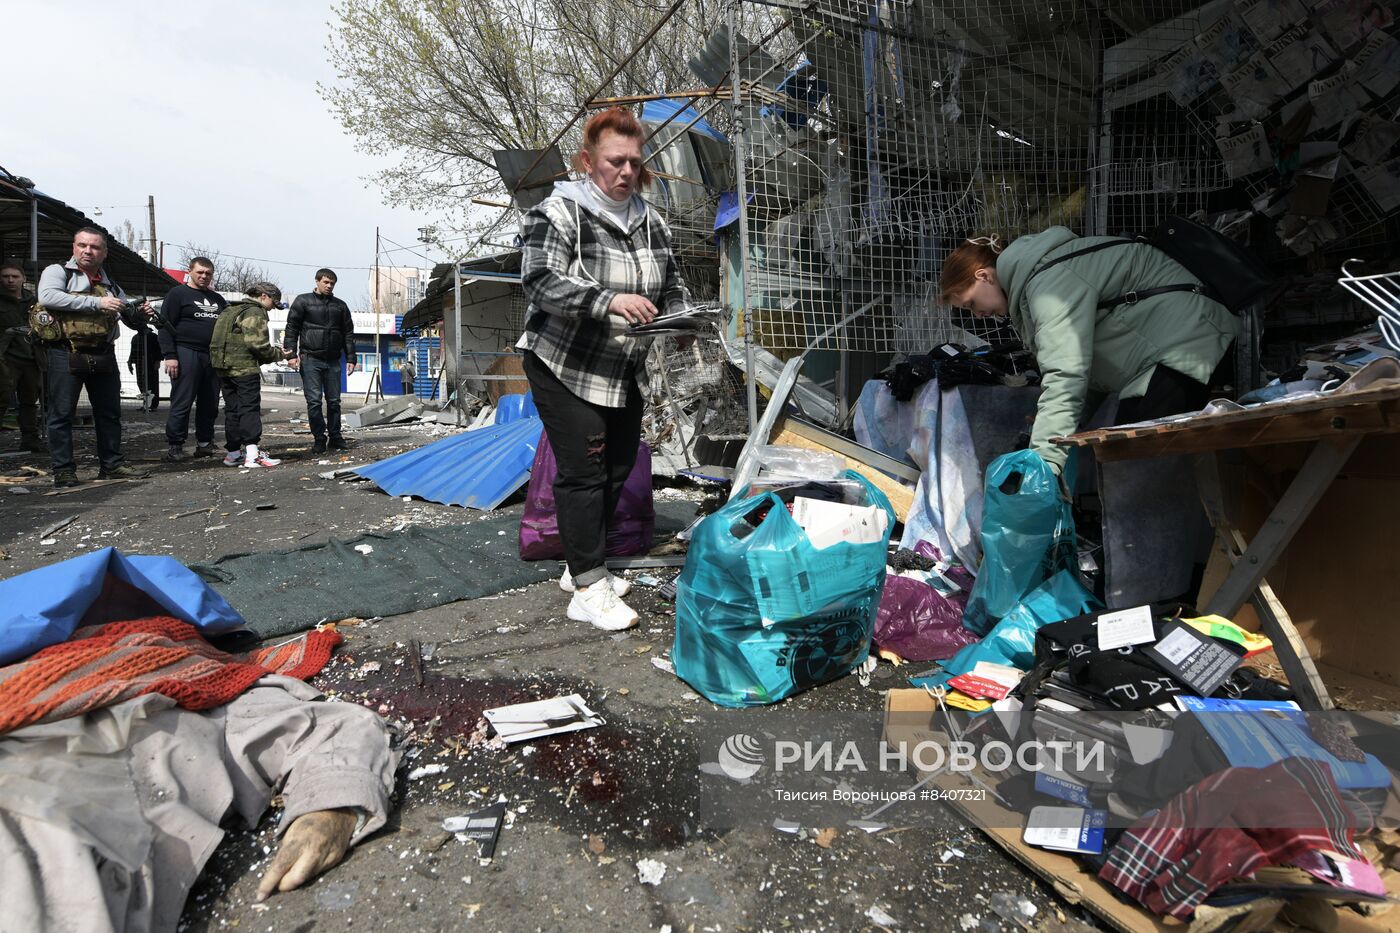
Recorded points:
(210,107)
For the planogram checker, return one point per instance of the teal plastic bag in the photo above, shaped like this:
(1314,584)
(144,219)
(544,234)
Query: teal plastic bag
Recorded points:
(1027,536)
(1012,640)
(763,615)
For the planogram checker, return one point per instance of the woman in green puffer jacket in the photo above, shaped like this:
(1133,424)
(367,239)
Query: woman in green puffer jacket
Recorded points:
(237,352)
(1157,354)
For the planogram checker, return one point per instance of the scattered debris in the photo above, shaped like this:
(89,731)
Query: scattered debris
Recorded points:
(1013,908)
(56,527)
(193,512)
(650,871)
(484,826)
(596,845)
(426,771)
(879,917)
(365,548)
(826,837)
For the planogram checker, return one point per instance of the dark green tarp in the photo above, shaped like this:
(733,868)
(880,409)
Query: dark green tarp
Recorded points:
(280,592)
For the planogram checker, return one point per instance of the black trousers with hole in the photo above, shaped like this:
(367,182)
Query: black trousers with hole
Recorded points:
(595,448)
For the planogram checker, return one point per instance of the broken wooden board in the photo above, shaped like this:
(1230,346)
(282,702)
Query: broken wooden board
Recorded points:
(85,486)
(1365,411)
(901,497)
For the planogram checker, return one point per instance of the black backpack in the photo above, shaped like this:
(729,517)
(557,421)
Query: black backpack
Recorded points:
(1233,276)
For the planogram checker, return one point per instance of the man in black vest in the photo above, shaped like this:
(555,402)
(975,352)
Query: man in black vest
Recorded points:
(319,330)
(191,311)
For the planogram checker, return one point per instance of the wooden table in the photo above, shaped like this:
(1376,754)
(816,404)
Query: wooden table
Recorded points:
(1334,424)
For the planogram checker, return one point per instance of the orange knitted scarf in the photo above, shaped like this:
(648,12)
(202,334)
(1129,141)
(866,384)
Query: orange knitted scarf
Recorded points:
(102,665)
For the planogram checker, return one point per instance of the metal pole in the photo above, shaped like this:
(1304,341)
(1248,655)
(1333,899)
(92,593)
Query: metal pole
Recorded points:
(34,235)
(742,192)
(151,213)
(378,324)
(455,332)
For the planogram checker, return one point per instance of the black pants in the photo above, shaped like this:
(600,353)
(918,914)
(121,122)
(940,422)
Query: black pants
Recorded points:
(595,448)
(242,410)
(20,377)
(104,392)
(196,386)
(146,365)
(321,379)
(1168,393)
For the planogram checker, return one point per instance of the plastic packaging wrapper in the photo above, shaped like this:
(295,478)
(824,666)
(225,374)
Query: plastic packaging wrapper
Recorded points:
(798,463)
(1012,640)
(761,614)
(630,532)
(1027,536)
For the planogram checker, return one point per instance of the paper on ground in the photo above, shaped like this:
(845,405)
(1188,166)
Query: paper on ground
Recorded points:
(542,717)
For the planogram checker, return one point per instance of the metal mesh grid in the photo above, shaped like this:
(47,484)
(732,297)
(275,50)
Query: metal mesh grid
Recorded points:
(878,134)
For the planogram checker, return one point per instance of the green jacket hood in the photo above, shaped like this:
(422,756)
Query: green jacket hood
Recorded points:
(1018,261)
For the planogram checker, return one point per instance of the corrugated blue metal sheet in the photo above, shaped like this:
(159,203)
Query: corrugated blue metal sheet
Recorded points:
(477,469)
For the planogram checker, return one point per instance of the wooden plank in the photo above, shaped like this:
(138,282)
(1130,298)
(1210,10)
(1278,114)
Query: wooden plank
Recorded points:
(901,497)
(85,486)
(1372,410)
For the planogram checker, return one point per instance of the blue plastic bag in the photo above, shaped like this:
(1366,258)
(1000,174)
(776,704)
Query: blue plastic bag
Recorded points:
(45,606)
(762,615)
(1012,640)
(1027,536)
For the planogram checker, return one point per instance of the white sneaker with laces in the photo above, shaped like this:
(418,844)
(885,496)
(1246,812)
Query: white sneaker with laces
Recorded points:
(233,458)
(261,460)
(599,605)
(621,585)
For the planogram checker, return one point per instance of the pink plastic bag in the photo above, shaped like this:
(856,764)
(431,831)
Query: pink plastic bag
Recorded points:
(917,623)
(630,531)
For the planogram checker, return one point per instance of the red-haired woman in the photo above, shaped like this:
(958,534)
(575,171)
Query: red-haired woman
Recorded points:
(1087,307)
(596,260)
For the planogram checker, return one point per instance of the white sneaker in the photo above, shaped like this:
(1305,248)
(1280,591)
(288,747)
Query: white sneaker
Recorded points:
(233,458)
(262,460)
(599,605)
(621,585)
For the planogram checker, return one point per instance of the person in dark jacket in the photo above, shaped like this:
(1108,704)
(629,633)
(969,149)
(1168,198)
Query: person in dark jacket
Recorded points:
(19,369)
(319,330)
(190,312)
(143,359)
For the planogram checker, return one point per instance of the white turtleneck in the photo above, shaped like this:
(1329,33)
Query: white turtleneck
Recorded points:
(619,211)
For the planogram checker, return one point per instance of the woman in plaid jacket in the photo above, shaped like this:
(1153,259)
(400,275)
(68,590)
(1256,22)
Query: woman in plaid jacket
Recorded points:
(596,261)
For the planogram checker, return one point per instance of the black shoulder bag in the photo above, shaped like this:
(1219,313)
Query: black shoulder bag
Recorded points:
(1232,275)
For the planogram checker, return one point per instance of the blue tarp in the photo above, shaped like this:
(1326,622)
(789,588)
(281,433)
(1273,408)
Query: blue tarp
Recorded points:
(659,111)
(478,469)
(44,607)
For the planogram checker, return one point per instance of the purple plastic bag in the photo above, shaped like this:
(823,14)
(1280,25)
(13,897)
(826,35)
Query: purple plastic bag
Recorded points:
(630,531)
(919,624)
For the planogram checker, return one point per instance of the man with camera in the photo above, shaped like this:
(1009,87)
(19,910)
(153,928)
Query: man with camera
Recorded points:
(76,323)
(19,371)
(190,312)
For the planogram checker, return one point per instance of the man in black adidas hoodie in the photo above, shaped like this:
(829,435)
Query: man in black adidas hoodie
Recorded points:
(190,312)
